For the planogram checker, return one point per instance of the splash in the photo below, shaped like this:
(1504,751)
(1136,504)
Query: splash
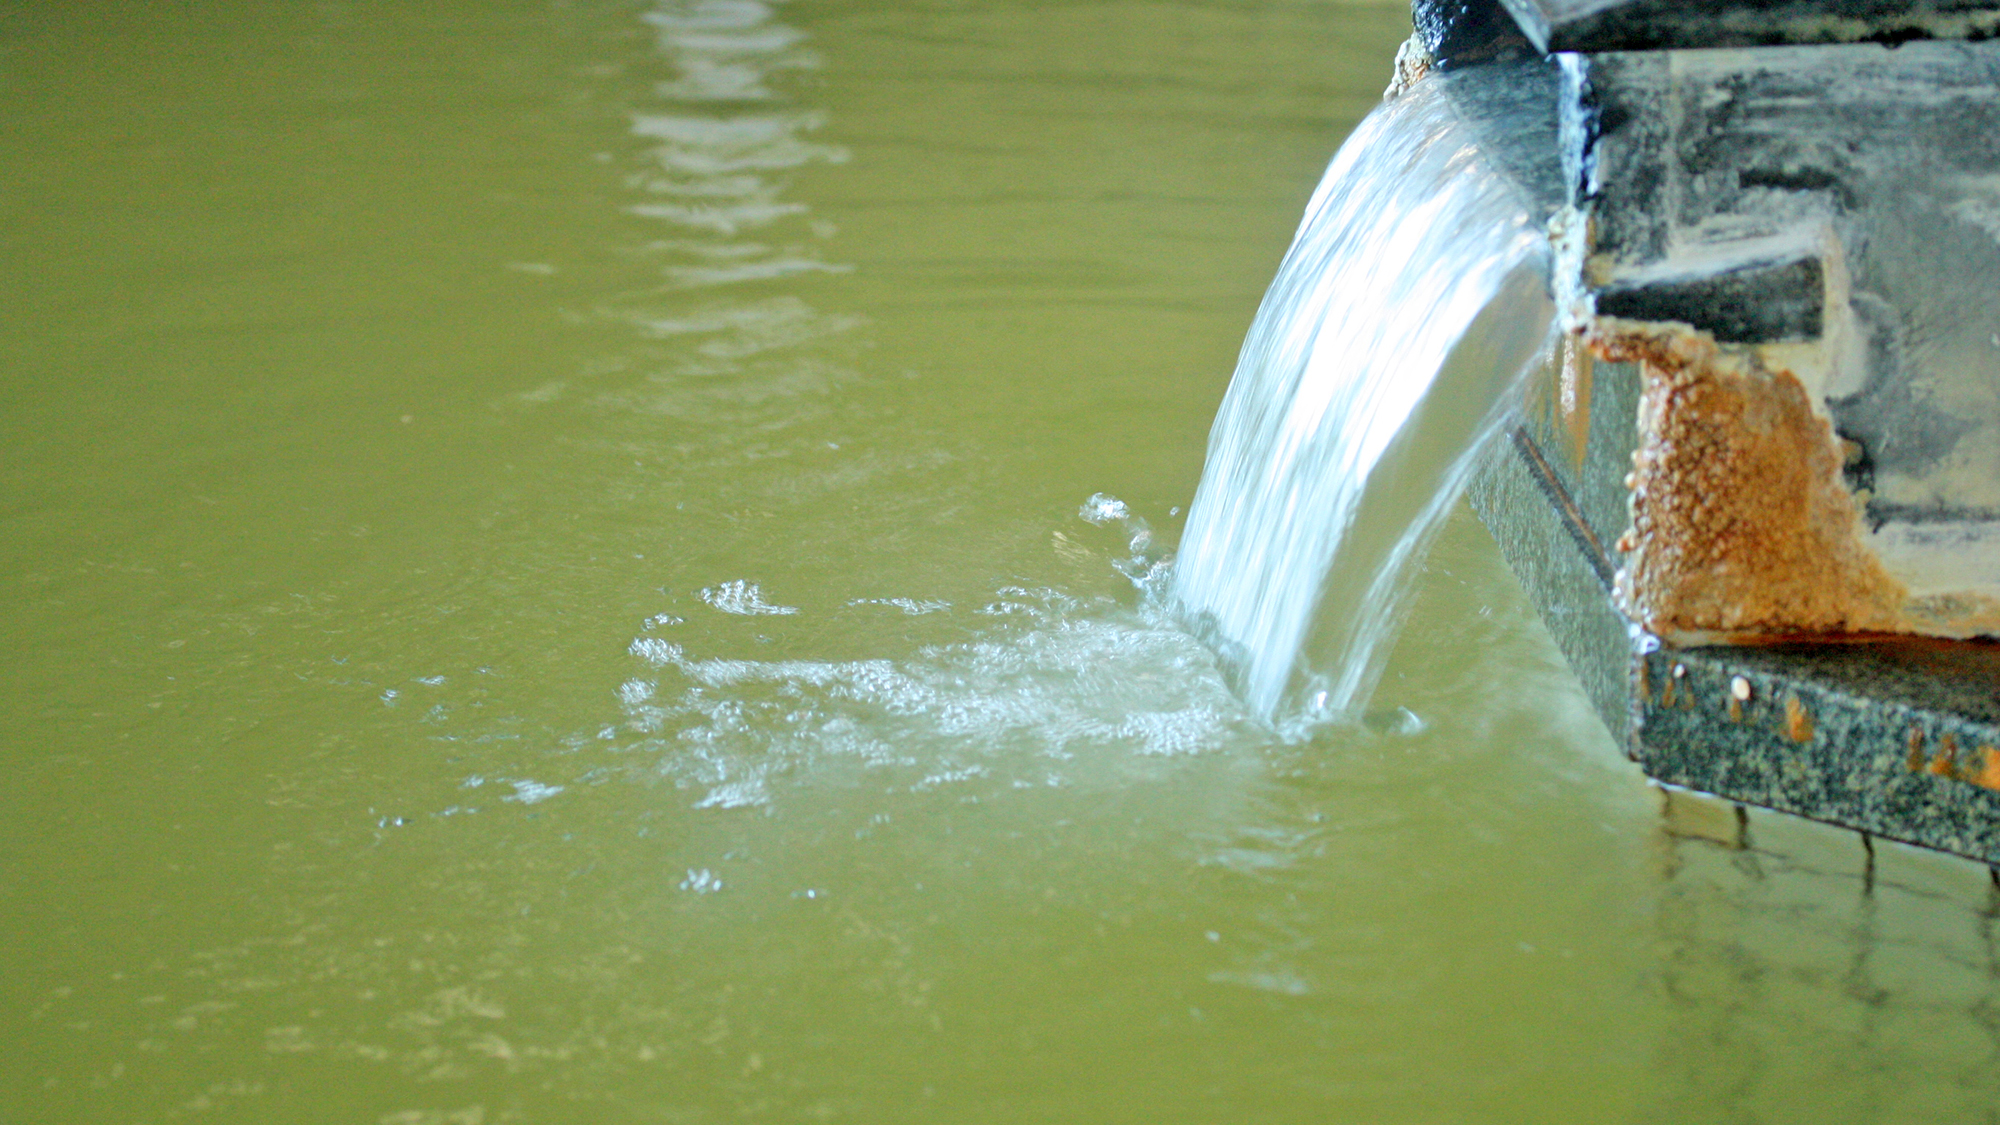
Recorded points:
(1410,301)
(1054,691)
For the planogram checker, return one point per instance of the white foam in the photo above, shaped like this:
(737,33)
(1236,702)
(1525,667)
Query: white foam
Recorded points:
(742,598)
(1059,684)
(911,606)
(701,881)
(1102,508)
(532,792)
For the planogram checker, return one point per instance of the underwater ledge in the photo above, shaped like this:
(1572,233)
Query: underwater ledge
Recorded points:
(1754,490)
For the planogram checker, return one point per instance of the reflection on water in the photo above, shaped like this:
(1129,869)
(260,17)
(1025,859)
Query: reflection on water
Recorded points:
(486,661)
(1885,959)
(724,145)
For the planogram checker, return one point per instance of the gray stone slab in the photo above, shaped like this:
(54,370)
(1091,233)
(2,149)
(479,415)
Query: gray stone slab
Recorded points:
(1752,303)
(1896,737)
(1650,25)
(1552,550)
(1848,195)
(1460,33)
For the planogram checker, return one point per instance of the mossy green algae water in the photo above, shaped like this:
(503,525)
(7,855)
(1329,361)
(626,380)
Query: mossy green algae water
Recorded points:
(548,586)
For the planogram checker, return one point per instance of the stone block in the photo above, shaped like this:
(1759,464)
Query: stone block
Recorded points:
(1652,25)
(1797,248)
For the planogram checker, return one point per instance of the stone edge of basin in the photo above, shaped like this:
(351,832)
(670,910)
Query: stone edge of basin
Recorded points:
(1898,737)
(1463,32)
(1790,243)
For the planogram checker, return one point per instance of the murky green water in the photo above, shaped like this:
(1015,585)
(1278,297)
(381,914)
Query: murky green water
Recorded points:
(546,585)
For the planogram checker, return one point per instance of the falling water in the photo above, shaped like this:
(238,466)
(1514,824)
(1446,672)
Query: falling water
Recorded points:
(1411,299)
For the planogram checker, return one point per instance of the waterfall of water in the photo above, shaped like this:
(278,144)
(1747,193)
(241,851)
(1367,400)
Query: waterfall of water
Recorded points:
(1408,305)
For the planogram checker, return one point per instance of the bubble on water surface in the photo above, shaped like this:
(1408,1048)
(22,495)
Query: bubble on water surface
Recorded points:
(910,606)
(710,15)
(701,881)
(1284,982)
(736,795)
(769,270)
(742,598)
(532,792)
(470,1115)
(1102,508)
(655,651)
(719,218)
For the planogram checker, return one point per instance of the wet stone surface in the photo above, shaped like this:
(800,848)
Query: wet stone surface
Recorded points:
(1897,737)
(1646,25)
(1893,738)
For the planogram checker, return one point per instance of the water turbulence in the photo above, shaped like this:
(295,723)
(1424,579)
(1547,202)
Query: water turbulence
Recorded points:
(1412,298)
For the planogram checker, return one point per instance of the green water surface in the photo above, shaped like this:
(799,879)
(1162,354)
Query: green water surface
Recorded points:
(544,583)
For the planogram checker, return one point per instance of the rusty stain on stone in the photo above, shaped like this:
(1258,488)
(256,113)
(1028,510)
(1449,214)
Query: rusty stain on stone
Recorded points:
(1574,397)
(1989,768)
(1915,758)
(1413,62)
(1945,763)
(1741,524)
(1798,720)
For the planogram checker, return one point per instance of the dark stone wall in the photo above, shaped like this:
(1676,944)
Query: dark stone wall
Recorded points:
(1464,32)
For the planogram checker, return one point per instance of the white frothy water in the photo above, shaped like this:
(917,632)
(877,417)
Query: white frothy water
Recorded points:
(1410,301)
(1057,687)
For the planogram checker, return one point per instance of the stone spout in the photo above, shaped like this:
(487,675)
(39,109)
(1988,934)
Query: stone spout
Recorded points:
(1766,460)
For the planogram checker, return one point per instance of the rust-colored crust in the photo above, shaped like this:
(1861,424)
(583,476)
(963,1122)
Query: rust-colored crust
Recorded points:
(1413,62)
(1741,525)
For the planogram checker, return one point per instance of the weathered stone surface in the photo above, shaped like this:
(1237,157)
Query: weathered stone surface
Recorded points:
(1831,214)
(1897,737)
(1753,303)
(1458,33)
(1782,400)
(1648,25)
(1740,522)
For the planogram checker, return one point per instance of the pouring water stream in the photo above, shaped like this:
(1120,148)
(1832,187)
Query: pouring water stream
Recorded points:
(1411,300)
